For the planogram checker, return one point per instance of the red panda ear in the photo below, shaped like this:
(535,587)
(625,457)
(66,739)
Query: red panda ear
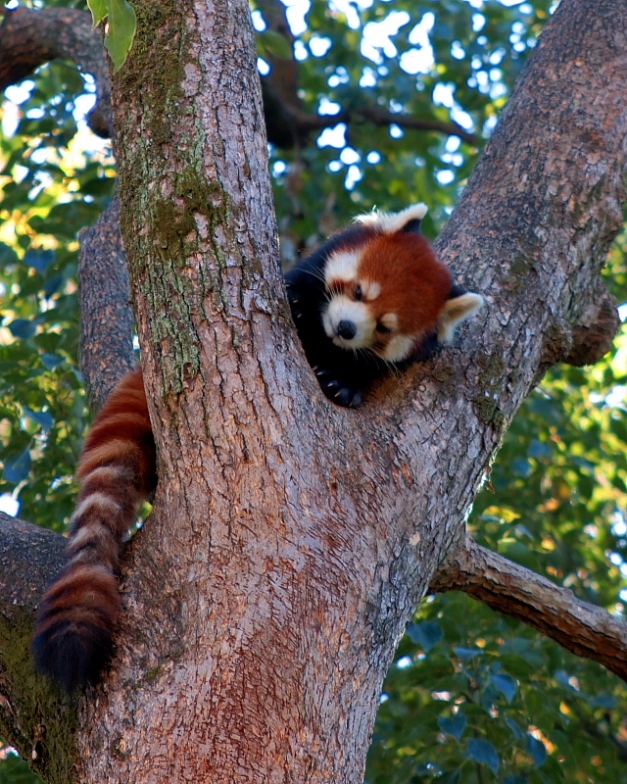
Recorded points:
(391,222)
(458,308)
(412,226)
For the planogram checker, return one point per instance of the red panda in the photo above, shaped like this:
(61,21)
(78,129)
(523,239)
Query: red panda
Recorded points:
(372,296)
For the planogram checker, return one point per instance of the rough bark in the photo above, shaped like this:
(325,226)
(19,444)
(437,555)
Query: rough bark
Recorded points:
(288,568)
(291,540)
(106,345)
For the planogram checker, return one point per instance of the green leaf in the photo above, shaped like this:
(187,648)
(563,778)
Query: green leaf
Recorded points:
(51,361)
(13,770)
(454,726)
(467,653)
(98,10)
(43,418)
(518,733)
(7,254)
(39,259)
(483,751)
(276,44)
(18,468)
(505,684)
(537,749)
(426,634)
(122,26)
(22,328)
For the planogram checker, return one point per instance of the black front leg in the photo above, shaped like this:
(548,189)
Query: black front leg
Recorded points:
(338,389)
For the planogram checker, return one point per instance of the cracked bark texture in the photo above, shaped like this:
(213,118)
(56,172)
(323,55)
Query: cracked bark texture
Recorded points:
(106,341)
(291,540)
(287,569)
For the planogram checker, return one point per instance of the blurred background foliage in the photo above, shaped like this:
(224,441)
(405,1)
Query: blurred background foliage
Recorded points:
(473,697)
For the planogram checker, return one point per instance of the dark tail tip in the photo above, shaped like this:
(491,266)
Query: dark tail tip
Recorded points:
(72,655)
(75,624)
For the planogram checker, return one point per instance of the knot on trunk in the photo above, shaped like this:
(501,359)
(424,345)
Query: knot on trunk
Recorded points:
(587,340)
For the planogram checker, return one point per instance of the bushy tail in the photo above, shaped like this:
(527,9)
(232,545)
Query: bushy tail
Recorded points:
(79,611)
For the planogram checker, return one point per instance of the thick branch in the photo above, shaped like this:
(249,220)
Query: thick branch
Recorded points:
(105,301)
(29,557)
(512,589)
(29,38)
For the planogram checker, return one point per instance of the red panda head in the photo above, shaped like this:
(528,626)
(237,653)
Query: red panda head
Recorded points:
(387,290)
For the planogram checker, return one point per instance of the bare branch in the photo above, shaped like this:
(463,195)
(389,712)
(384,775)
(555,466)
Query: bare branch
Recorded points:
(382,117)
(289,124)
(512,589)
(29,38)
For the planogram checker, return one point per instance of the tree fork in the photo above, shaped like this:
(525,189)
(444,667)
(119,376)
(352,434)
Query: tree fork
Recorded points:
(291,540)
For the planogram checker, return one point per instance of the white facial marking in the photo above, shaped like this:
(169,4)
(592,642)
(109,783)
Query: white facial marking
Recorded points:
(341,308)
(342,266)
(399,348)
(371,289)
(389,222)
(389,320)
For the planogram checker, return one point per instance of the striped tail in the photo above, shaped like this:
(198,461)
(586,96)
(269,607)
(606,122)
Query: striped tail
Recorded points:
(79,611)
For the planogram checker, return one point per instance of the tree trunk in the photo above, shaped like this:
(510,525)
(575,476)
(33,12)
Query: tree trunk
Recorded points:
(290,539)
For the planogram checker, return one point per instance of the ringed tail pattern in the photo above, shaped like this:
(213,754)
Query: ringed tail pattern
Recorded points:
(117,472)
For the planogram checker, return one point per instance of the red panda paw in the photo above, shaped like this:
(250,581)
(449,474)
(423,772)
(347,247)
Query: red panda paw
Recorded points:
(338,390)
(347,397)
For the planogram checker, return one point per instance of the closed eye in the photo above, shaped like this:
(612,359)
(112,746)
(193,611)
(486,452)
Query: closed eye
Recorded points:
(359,294)
(382,329)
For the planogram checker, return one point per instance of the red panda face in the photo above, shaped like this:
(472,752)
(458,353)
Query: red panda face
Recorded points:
(385,294)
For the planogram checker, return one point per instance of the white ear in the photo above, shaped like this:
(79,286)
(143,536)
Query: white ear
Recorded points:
(455,311)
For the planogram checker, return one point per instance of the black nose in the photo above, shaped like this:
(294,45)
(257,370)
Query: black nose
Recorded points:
(346,329)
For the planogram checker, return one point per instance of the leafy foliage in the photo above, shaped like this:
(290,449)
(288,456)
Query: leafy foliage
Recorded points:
(50,190)
(451,61)
(472,696)
(13,770)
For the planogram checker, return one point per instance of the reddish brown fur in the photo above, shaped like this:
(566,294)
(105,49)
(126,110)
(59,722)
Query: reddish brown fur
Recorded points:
(414,284)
